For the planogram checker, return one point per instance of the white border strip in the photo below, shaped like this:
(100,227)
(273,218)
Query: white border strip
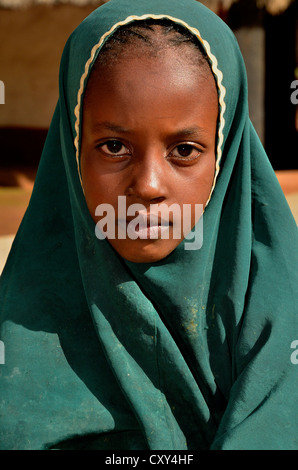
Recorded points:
(218,74)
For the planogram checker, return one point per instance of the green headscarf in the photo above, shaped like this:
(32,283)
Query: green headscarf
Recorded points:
(192,352)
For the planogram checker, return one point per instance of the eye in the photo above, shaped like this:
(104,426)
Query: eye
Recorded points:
(186,152)
(114,148)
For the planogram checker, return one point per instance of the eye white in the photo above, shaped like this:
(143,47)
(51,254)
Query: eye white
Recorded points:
(114,147)
(185,151)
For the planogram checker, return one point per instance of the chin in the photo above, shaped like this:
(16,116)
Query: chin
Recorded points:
(143,251)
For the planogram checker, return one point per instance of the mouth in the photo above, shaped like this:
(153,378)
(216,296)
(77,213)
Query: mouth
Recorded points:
(146,226)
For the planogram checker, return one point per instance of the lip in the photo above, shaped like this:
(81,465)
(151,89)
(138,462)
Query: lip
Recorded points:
(149,226)
(150,219)
(151,232)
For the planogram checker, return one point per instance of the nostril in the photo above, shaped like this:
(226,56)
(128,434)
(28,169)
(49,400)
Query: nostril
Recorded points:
(157,200)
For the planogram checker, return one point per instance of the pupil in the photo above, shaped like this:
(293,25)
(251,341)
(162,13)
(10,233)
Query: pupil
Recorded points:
(114,146)
(184,150)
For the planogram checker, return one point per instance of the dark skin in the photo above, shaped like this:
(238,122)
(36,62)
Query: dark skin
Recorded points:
(149,133)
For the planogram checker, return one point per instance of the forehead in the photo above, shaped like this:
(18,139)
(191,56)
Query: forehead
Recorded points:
(166,86)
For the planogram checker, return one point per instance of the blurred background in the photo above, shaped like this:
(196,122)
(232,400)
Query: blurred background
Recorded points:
(32,37)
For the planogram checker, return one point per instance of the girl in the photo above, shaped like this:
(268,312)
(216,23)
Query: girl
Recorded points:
(138,342)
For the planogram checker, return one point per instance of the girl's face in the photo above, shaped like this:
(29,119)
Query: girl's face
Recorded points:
(148,134)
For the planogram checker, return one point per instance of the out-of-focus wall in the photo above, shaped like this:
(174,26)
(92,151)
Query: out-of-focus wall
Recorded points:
(31,44)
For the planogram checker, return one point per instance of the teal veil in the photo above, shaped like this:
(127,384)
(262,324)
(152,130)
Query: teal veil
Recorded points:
(193,352)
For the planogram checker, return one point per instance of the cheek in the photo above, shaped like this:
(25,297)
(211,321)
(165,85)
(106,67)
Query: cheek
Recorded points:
(207,182)
(96,192)
(201,195)
(200,183)
(93,184)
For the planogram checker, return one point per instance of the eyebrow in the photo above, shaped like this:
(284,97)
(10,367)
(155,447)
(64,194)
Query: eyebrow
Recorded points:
(110,127)
(190,131)
(119,129)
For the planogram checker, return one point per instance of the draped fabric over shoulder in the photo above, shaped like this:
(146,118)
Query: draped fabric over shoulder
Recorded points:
(192,352)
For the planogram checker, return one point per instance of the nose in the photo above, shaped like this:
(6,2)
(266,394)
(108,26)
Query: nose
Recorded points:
(148,182)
